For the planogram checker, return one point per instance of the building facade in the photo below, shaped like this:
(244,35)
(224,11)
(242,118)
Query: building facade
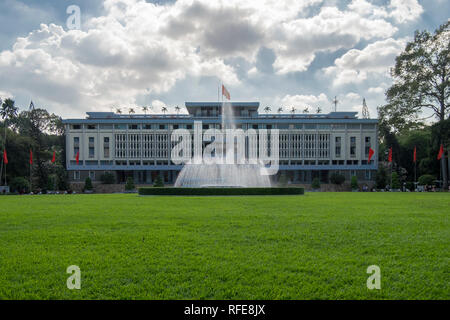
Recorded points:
(310,145)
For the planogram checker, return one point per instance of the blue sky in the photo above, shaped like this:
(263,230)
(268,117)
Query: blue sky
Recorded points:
(131,53)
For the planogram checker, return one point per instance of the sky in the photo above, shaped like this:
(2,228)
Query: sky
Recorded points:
(134,53)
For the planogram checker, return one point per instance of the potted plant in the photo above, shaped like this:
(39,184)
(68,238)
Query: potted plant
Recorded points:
(129,186)
(354,184)
(88,188)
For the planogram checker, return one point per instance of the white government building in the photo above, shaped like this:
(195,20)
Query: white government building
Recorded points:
(310,145)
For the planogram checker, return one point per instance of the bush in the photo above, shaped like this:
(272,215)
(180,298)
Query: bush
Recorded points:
(354,183)
(315,183)
(381,178)
(52,182)
(220,191)
(19,184)
(129,186)
(88,184)
(395,182)
(337,178)
(410,186)
(158,182)
(426,179)
(108,178)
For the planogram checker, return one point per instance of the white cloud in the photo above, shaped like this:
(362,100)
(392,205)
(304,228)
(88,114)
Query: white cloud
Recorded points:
(356,65)
(302,101)
(138,48)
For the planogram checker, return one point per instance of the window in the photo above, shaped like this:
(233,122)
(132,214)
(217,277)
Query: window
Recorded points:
(106,126)
(147,126)
(133,127)
(106,147)
(76,175)
(189,126)
(162,126)
(175,126)
(205,126)
(92,175)
(91,126)
(91,147)
(352,146)
(367,146)
(310,126)
(76,146)
(254,126)
(76,126)
(368,175)
(338,147)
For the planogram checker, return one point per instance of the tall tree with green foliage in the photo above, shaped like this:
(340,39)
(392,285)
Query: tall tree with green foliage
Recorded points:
(421,79)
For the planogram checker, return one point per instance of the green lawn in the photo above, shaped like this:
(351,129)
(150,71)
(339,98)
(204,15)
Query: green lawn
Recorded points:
(316,246)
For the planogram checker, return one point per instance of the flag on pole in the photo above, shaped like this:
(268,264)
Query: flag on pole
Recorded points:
(371,153)
(31,157)
(441,152)
(225,92)
(5,157)
(390,155)
(54,157)
(415,154)
(77,157)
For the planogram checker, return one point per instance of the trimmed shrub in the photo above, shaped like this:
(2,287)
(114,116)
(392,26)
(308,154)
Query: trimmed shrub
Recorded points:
(108,178)
(315,183)
(129,186)
(220,191)
(88,184)
(337,178)
(19,184)
(354,183)
(395,181)
(158,182)
(426,179)
(410,185)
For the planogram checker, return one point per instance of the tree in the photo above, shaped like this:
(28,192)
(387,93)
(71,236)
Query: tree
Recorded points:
(164,110)
(306,110)
(337,178)
(280,110)
(118,111)
(131,111)
(354,183)
(395,181)
(145,109)
(88,184)
(158,182)
(421,79)
(267,109)
(318,110)
(177,109)
(129,186)
(426,179)
(8,111)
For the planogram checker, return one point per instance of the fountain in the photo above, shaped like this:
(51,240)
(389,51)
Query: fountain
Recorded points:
(197,174)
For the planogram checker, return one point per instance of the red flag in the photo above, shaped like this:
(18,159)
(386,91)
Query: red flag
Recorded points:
(77,157)
(225,92)
(31,157)
(390,155)
(54,157)
(5,157)
(441,152)
(371,153)
(415,154)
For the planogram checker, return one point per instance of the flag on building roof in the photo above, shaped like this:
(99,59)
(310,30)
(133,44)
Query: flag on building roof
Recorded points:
(225,92)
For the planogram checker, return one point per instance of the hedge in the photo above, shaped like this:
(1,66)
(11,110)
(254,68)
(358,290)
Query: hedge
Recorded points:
(219,191)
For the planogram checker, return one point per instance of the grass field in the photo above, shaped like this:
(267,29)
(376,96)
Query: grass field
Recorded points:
(316,246)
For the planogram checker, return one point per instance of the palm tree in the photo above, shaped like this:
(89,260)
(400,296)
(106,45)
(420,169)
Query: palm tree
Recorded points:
(267,109)
(293,111)
(131,111)
(164,110)
(280,110)
(145,109)
(306,110)
(318,109)
(177,108)
(118,110)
